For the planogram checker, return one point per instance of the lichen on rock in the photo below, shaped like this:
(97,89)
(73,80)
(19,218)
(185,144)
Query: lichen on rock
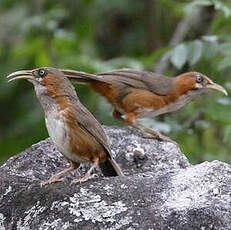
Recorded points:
(160,190)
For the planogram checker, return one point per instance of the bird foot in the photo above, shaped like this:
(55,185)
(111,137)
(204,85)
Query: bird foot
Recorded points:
(84,178)
(158,136)
(51,181)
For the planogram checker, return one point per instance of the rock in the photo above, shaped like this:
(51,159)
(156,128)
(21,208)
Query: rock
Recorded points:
(161,190)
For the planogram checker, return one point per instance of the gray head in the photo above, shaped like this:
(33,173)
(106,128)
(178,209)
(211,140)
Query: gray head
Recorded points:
(52,88)
(47,81)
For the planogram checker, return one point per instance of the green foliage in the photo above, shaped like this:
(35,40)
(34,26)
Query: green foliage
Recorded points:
(207,47)
(101,35)
(178,56)
(217,4)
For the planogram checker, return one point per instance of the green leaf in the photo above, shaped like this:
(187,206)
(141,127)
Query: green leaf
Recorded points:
(221,6)
(225,48)
(226,62)
(203,3)
(210,49)
(210,38)
(194,51)
(191,5)
(179,56)
(217,5)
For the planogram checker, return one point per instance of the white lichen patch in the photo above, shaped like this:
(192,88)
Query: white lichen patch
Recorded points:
(126,221)
(129,156)
(139,148)
(59,205)
(131,150)
(123,186)
(56,224)
(9,189)
(108,189)
(89,206)
(32,213)
(2,219)
(168,146)
(187,189)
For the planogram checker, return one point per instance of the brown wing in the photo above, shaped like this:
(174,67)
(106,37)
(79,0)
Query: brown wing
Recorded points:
(88,122)
(153,82)
(124,78)
(78,76)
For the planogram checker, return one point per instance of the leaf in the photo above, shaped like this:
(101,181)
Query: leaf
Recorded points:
(179,56)
(226,101)
(202,3)
(190,6)
(216,3)
(210,38)
(225,48)
(209,50)
(194,51)
(226,62)
(222,7)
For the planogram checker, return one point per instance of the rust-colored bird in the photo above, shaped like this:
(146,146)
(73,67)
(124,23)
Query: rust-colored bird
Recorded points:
(73,129)
(139,94)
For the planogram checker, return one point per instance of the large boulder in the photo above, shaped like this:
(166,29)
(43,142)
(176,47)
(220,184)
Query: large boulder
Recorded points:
(160,190)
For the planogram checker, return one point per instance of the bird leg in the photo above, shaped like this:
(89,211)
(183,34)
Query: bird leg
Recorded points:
(57,177)
(148,132)
(116,114)
(88,175)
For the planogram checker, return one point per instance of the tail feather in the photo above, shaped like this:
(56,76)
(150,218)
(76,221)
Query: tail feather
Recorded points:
(110,168)
(80,77)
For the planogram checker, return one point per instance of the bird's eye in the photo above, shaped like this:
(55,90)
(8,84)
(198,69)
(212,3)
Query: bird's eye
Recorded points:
(199,78)
(42,72)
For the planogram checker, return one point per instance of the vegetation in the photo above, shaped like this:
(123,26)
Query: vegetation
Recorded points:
(100,35)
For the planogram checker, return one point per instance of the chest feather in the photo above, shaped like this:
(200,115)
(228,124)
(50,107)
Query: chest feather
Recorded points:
(58,131)
(171,107)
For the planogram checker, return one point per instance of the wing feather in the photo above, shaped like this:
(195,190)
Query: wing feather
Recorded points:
(156,83)
(88,122)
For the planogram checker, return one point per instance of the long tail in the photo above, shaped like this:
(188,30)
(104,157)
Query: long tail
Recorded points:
(110,168)
(80,77)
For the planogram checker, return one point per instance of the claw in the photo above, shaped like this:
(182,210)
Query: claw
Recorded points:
(43,183)
(160,137)
(84,179)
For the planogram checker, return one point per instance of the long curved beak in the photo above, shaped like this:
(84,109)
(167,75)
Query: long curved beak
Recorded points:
(22,74)
(217,87)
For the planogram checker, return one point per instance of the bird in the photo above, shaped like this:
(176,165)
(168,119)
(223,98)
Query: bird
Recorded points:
(73,129)
(140,94)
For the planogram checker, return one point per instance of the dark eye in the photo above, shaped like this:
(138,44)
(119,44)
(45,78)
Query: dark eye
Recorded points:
(42,72)
(199,78)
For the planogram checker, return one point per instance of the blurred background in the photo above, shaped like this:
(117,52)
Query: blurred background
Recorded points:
(164,36)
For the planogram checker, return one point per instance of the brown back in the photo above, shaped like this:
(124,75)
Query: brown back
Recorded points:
(153,82)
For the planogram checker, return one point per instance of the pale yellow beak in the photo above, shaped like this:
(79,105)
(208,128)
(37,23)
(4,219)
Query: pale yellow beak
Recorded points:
(22,74)
(217,87)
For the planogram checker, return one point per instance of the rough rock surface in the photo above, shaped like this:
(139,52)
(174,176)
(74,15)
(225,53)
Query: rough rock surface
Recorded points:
(160,191)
